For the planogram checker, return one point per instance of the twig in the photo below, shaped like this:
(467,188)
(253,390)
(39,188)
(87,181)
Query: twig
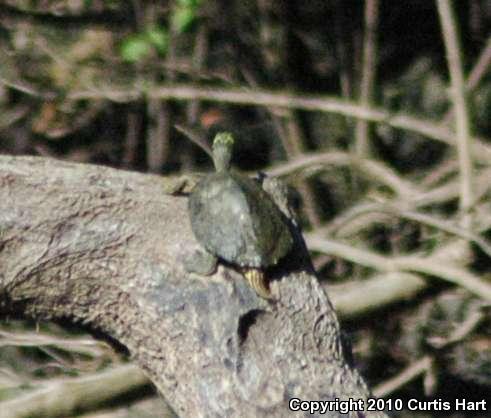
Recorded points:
(444,226)
(411,372)
(288,130)
(463,330)
(11,116)
(198,58)
(86,346)
(62,397)
(194,137)
(480,68)
(157,132)
(476,75)
(355,298)
(446,271)
(481,151)
(450,190)
(359,217)
(293,140)
(343,51)
(429,266)
(376,170)
(369,66)
(346,217)
(462,123)
(438,174)
(425,364)
(423,218)
(130,142)
(9,76)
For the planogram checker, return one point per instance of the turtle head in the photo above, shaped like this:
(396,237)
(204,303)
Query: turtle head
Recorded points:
(222,150)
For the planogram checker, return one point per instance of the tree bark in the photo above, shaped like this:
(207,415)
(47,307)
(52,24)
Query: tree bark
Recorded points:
(104,248)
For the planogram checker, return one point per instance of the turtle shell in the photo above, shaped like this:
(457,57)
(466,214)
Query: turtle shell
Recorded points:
(236,220)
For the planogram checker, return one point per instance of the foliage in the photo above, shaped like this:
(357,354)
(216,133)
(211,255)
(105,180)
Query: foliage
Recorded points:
(184,14)
(137,46)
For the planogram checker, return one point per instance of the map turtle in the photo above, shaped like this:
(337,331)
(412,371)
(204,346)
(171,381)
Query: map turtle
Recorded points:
(235,220)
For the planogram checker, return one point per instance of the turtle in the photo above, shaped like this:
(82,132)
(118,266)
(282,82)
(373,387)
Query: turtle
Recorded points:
(236,221)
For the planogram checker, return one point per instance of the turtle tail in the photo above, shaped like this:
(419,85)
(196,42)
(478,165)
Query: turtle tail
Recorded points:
(257,281)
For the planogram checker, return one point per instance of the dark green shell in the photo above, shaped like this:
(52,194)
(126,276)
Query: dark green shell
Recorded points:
(233,218)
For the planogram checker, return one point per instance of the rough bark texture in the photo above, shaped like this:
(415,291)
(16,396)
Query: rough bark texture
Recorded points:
(105,247)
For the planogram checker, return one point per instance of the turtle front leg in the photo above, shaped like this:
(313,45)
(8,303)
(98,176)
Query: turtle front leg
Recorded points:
(201,262)
(257,281)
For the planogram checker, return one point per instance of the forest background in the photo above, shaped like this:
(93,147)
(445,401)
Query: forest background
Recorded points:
(377,113)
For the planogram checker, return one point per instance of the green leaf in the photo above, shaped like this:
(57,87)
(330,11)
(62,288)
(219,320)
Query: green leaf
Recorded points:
(183,18)
(159,38)
(134,48)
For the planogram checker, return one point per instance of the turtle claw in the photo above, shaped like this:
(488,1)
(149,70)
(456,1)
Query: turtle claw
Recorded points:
(257,281)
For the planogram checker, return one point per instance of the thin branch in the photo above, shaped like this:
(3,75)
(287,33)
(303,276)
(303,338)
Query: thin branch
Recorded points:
(411,372)
(426,363)
(292,139)
(477,73)
(439,173)
(376,170)
(480,68)
(348,252)
(195,137)
(358,297)
(86,346)
(105,18)
(198,59)
(369,66)
(462,123)
(8,117)
(429,266)
(422,218)
(470,323)
(343,51)
(257,97)
(62,397)
(346,218)
(443,225)
(446,271)
(451,190)
(359,217)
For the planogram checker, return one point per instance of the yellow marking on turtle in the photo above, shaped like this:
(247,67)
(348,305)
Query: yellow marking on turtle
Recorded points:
(257,281)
